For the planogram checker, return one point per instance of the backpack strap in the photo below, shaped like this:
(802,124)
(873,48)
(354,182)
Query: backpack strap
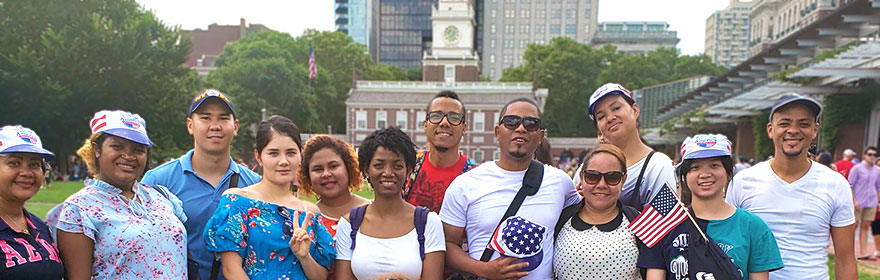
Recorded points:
(215,265)
(408,185)
(420,219)
(531,183)
(356,216)
(635,200)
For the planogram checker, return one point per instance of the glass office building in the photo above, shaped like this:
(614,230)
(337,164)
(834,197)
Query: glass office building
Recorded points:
(404,32)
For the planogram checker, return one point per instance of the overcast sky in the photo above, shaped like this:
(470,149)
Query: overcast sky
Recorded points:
(688,17)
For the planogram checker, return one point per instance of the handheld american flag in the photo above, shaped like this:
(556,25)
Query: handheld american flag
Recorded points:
(313,66)
(660,216)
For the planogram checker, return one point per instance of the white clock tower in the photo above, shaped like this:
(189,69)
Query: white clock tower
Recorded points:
(452,56)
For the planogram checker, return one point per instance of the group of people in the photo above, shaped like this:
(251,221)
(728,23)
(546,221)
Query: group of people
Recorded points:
(436,214)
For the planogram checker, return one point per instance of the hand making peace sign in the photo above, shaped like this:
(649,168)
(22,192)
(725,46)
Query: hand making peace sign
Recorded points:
(302,233)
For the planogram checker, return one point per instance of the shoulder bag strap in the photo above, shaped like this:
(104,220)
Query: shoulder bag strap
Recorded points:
(636,199)
(531,183)
(215,265)
(420,220)
(356,216)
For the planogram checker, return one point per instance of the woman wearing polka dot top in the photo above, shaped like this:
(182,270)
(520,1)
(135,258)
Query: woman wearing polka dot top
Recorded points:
(593,241)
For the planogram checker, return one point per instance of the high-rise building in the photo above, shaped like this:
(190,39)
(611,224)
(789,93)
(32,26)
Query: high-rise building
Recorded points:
(727,34)
(509,26)
(358,19)
(635,37)
(404,32)
(773,20)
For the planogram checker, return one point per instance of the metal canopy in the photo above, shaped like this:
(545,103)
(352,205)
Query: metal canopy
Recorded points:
(750,87)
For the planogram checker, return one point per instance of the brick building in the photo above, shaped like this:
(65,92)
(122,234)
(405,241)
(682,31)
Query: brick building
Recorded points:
(207,45)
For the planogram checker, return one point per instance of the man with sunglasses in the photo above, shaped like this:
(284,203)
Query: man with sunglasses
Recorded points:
(476,201)
(444,124)
(865,181)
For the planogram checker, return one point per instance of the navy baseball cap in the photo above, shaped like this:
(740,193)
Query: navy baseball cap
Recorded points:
(210,93)
(787,99)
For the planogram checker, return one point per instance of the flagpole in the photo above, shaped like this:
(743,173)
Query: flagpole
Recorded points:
(686,211)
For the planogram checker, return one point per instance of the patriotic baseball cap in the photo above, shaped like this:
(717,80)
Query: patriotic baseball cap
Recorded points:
(121,124)
(208,93)
(790,98)
(19,139)
(605,90)
(519,238)
(705,146)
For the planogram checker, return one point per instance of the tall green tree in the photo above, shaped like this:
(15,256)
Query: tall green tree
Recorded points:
(61,61)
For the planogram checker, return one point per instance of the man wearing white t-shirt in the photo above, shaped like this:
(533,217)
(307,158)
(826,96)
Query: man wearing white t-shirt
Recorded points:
(802,202)
(476,201)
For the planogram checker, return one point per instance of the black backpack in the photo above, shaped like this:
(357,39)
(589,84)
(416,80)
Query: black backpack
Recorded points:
(419,220)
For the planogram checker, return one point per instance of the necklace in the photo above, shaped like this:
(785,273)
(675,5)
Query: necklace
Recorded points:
(23,228)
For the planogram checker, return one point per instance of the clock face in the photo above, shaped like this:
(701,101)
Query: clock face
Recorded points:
(451,34)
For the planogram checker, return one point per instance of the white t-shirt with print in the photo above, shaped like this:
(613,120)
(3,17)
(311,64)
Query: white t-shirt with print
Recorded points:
(477,200)
(375,257)
(659,171)
(800,214)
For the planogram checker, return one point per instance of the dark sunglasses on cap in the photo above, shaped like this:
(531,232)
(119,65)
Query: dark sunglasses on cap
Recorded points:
(436,117)
(612,178)
(513,121)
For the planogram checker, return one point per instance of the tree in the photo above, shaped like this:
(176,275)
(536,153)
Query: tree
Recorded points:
(60,62)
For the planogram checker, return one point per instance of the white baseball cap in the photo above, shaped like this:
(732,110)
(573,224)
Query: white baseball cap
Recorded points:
(849,152)
(705,146)
(121,124)
(605,90)
(19,139)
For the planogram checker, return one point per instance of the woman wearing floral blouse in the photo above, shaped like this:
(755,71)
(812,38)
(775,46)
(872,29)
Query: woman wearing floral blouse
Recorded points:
(263,231)
(115,227)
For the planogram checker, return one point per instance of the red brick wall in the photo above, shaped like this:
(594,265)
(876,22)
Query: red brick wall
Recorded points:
(211,41)
(850,136)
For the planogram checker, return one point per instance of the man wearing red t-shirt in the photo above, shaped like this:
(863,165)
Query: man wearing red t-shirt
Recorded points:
(445,124)
(844,165)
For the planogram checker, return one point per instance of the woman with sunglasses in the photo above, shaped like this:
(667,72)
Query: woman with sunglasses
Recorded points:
(387,239)
(615,114)
(116,227)
(593,240)
(29,250)
(706,169)
(264,231)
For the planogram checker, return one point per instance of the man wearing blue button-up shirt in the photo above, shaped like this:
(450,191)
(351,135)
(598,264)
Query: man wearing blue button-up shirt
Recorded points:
(200,176)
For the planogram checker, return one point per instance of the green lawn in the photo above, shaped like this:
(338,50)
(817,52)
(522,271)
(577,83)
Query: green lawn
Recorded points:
(865,272)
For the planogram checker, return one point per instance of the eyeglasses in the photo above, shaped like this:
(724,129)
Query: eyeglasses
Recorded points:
(611,177)
(529,123)
(436,117)
(871,154)
(287,228)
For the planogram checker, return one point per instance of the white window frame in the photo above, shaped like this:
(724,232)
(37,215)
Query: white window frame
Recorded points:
(496,154)
(360,120)
(420,118)
(449,73)
(474,156)
(401,119)
(479,121)
(381,116)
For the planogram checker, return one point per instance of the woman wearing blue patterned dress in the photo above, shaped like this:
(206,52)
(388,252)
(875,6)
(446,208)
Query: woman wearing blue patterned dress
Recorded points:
(263,231)
(115,227)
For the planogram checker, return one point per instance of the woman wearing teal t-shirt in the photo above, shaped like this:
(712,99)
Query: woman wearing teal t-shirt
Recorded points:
(705,170)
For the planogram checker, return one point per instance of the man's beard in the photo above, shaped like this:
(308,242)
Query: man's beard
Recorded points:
(517,154)
(792,154)
(441,149)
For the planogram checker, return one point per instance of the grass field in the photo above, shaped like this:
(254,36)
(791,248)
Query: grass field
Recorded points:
(45,199)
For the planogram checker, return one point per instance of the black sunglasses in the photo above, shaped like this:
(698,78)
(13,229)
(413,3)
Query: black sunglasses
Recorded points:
(436,117)
(611,177)
(529,123)
(287,228)
(871,154)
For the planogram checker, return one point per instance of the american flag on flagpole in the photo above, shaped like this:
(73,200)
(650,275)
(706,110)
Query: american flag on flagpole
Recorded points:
(313,67)
(659,217)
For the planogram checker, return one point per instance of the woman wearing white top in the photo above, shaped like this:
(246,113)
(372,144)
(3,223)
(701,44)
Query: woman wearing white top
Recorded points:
(593,240)
(386,243)
(615,114)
